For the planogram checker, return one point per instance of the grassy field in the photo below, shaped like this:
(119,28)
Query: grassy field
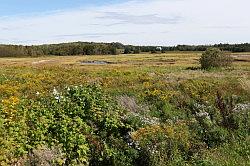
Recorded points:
(161,88)
(123,73)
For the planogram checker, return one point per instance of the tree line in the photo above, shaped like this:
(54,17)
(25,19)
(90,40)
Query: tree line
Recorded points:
(91,48)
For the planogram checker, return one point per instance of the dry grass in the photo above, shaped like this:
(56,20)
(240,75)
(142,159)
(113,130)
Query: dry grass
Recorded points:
(127,72)
(131,59)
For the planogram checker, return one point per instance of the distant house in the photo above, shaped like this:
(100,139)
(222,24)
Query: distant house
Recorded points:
(120,51)
(158,48)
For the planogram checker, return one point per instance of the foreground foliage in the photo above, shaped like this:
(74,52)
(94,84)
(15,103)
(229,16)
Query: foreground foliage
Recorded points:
(82,125)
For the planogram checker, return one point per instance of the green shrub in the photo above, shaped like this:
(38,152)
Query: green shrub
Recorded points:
(13,133)
(163,145)
(234,153)
(214,58)
(82,121)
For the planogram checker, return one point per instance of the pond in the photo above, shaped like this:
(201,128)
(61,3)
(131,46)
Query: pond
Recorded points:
(96,62)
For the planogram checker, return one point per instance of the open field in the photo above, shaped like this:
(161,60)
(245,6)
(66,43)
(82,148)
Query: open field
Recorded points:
(158,93)
(129,70)
(124,83)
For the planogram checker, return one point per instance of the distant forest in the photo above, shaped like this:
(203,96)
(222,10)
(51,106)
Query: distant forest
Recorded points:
(90,48)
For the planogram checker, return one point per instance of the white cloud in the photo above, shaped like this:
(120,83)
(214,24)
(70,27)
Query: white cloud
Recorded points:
(150,22)
(124,18)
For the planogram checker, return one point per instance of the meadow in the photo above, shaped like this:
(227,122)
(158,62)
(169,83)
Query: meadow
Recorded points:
(135,109)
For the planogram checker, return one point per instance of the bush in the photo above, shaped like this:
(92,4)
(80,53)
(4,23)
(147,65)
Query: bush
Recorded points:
(162,145)
(214,58)
(82,121)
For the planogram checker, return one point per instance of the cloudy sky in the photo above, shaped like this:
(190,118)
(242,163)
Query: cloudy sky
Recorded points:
(138,22)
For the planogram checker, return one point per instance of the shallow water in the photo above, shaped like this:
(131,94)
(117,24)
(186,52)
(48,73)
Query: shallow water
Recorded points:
(96,62)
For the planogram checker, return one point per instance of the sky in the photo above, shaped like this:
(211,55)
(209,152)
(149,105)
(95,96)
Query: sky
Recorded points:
(137,22)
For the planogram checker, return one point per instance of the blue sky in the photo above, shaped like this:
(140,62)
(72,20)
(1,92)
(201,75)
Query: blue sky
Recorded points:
(17,7)
(138,22)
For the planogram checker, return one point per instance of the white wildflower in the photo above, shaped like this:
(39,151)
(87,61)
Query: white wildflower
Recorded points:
(57,97)
(55,92)
(203,115)
(241,107)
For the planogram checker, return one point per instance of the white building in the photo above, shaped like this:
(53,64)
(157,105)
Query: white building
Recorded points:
(159,48)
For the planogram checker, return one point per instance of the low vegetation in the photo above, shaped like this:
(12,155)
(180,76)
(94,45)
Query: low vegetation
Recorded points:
(141,109)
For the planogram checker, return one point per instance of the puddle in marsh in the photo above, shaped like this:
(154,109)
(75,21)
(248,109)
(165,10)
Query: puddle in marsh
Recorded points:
(96,62)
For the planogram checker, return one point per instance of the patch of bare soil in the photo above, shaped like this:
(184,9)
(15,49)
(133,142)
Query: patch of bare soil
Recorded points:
(42,62)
